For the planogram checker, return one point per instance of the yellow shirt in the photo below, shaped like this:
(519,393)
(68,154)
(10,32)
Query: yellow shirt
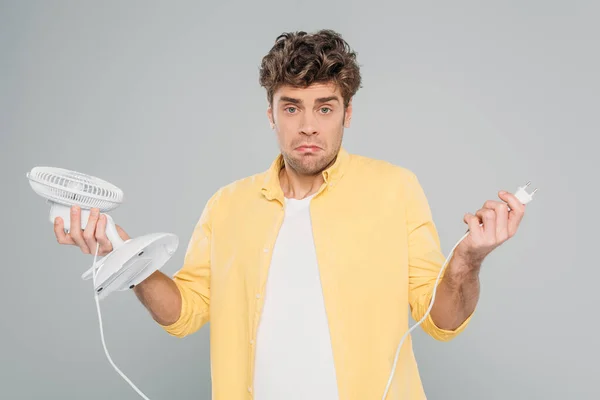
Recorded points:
(378,252)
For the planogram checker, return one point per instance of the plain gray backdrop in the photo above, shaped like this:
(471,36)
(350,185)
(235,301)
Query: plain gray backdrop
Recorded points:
(162,99)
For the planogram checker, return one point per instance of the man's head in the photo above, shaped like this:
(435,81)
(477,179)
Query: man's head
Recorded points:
(310,80)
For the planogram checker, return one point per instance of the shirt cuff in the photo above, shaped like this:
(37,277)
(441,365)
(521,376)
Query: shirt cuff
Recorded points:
(445,335)
(178,328)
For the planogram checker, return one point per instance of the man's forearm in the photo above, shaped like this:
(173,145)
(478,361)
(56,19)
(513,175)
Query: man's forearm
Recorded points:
(457,294)
(161,297)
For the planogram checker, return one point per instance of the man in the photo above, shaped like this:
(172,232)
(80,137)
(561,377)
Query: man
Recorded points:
(305,270)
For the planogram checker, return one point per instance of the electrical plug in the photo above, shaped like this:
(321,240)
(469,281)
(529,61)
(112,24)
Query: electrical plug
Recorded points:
(522,194)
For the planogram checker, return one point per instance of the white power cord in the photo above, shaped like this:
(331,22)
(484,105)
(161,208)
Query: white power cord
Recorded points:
(524,198)
(102,330)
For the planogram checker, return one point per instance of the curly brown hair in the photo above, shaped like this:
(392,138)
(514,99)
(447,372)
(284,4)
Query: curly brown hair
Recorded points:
(300,59)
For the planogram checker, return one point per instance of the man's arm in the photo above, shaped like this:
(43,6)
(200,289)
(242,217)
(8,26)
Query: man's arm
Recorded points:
(180,304)
(161,297)
(425,258)
(458,293)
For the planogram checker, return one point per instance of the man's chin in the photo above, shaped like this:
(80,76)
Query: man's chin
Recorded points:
(311,167)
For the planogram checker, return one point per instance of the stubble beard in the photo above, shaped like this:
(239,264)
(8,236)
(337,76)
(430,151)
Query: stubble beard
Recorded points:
(309,164)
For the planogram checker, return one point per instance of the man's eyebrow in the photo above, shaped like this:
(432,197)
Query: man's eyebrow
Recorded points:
(298,101)
(327,99)
(290,100)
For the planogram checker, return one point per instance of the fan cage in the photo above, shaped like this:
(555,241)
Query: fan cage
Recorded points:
(74,188)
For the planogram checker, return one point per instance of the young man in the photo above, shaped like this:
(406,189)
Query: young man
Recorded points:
(305,270)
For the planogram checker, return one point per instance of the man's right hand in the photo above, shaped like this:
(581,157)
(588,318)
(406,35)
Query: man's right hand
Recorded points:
(94,233)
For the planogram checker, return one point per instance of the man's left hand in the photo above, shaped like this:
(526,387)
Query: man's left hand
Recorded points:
(491,226)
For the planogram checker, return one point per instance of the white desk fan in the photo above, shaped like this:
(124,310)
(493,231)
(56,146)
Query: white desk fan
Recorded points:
(131,261)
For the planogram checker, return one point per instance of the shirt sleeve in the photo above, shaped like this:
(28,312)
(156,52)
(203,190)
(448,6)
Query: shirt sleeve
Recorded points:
(425,261)
(193,279)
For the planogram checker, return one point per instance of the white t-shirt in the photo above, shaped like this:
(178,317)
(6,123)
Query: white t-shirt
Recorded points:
(294,359)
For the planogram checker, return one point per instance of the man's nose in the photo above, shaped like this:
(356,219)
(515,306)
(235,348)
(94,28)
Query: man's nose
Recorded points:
(309,125)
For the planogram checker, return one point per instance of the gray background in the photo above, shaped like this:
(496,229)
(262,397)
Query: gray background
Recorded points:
(163,101)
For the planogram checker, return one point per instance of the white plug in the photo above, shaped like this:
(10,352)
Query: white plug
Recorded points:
(522,194)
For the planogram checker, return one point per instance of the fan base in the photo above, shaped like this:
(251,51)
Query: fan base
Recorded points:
(132,262)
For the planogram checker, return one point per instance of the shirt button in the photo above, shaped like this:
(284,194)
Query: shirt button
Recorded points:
(249,389)
(252,342)
(266,250)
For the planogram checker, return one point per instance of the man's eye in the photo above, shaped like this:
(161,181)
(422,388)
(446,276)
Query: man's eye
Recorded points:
(328,110)
(290,109)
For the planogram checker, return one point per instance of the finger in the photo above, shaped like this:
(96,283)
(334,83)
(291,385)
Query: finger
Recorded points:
(493,204)
(105,245)
(473,222)
(89,234)
(501,210)
(59,230)
(76,233)
(488,217)
(513,202)
(122,233)
(517,211)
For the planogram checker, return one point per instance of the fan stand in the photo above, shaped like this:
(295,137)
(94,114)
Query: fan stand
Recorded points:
(130,262)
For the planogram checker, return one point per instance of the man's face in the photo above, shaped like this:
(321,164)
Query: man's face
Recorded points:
(309,123)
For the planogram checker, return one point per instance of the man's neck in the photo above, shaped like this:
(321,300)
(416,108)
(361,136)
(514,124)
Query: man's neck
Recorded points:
(296,186)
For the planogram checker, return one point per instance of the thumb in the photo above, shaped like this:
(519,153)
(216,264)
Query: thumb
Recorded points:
(122,233)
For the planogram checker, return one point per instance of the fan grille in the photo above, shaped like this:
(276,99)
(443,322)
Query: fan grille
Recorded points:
(73,188)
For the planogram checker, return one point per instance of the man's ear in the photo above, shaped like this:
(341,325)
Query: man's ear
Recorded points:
(348,115)
(270,116)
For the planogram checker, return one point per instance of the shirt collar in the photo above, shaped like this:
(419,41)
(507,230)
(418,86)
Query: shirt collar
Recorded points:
(271,187)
